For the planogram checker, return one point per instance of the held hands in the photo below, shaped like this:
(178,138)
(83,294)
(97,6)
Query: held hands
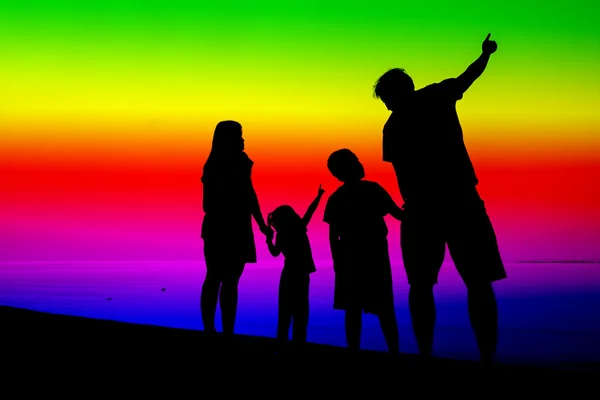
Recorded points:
(269,234)
(488,46)
(267,231)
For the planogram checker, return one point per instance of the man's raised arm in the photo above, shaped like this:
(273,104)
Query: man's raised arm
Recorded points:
(474,71)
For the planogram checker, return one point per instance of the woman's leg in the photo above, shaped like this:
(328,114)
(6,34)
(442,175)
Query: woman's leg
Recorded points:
(353,322)
(229,297)
(208,301)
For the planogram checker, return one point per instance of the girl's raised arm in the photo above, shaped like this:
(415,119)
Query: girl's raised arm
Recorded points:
(313,206)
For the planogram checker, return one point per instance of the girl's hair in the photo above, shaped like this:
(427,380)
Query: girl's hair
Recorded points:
(283,218)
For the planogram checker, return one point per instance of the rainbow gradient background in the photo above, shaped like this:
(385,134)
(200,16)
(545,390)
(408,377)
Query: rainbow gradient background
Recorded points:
(107,110)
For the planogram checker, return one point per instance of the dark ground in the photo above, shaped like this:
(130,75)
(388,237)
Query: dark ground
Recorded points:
(59,355)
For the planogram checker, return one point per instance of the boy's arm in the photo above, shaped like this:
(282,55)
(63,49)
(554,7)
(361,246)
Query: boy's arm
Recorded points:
(334,244)
(313,207)
(390,205)
(474,71)
(396,211)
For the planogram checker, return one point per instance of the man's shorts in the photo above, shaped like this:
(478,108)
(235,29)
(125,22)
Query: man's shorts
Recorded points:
(464,226)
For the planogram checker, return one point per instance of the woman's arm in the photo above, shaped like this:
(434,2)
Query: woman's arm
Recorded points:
(256,211)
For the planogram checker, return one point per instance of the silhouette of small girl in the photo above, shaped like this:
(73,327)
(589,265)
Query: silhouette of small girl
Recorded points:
(358,238)
(292,241)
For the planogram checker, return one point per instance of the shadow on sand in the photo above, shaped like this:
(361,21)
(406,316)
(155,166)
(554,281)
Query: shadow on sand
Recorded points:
(68,349)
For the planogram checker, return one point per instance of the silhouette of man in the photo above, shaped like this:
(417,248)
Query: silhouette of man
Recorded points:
(423,141)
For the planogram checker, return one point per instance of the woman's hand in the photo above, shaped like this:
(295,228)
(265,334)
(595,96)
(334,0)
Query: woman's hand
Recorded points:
(266,230)
(269,234)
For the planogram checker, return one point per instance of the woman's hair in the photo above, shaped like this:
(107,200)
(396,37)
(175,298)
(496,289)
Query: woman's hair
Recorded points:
(226,137)
(284,218)
(225,149)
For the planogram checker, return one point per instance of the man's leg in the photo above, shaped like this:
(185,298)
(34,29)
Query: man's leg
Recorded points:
(423,250)
(474,249)
(483,313)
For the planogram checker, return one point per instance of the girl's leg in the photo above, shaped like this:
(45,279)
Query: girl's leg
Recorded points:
(208,301)
(229,297)
(353,328)
(301,308)
(284,312)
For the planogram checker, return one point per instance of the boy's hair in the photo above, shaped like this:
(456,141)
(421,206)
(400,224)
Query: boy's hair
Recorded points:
(338,163)
(393,82)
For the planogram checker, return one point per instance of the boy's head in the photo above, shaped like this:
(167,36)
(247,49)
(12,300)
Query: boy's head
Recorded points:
(345,166)
(393,88)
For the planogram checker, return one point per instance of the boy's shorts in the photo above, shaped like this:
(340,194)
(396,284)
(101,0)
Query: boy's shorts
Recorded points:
(464,226)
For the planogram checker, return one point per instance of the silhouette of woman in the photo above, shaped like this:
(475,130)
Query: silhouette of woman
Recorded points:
(229,202)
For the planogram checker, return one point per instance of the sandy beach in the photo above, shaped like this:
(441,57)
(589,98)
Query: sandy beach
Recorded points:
(60,348)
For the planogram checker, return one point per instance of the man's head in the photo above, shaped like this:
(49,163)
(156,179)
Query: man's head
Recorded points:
(394,87)
(345,166)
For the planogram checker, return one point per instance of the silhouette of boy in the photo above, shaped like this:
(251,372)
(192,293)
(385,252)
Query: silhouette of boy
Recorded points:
(359,248)
(292,241)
